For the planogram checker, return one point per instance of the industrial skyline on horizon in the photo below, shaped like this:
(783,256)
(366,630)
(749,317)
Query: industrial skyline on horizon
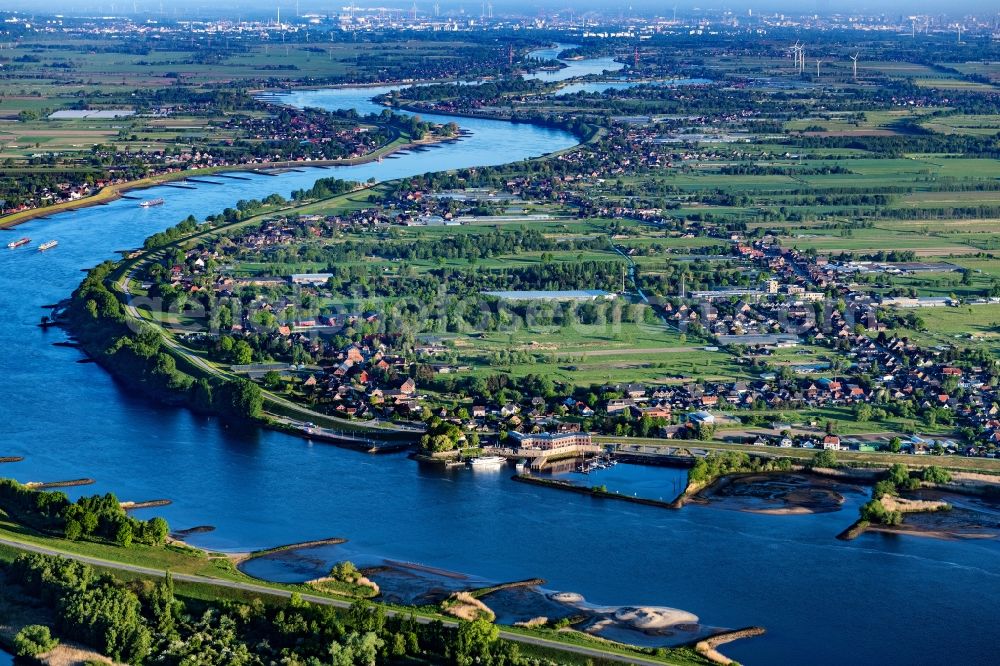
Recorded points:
(499,8)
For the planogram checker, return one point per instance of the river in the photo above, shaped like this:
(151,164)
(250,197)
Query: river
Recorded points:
(878,599)
(574,68)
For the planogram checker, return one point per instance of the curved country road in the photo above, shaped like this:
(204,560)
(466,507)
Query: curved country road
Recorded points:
(326,601)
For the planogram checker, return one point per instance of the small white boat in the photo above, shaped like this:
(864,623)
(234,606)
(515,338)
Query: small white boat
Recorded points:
(487,462)
(48,245)
(152,202)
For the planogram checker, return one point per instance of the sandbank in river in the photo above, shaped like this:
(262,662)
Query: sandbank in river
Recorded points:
(776,493)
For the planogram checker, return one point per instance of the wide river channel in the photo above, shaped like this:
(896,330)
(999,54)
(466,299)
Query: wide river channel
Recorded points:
(877,599)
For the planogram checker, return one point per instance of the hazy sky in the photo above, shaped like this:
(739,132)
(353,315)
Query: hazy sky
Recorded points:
(474,7)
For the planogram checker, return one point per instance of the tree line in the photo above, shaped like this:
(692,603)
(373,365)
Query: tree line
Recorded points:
(97,518)
(146,622)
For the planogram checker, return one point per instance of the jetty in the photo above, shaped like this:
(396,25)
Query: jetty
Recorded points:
(132,506)
(530,582)
(240,558)
(202,180)
(560,484)
(179,185)
(403,441)
(197,529)
(36,485)
(230,176)
(366,444)
(707,647)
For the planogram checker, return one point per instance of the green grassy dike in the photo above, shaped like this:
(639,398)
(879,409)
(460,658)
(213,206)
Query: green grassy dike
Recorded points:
(202,578)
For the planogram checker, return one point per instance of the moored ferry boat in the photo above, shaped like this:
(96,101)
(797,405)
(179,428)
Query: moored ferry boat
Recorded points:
(149,203)
(487,461)
(18,243)
(48,245)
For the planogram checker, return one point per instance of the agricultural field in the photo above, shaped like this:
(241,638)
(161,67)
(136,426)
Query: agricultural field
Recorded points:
(581,355)
(968,326)
(990,69)
(866,122)
(955,84)
(975,125)
(833,241)
(72,65)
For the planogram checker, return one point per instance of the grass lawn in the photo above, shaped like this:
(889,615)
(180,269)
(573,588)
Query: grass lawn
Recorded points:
(965,326)
(175,558)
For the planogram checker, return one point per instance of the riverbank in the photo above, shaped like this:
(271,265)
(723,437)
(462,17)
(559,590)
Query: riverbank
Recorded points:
(114,192)
(511,604)
(215,584)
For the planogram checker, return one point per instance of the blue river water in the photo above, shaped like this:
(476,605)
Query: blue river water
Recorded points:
(574,68)
(875,600)
(603,86)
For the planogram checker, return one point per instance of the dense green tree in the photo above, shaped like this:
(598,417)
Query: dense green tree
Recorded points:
(34,640)
(109,618)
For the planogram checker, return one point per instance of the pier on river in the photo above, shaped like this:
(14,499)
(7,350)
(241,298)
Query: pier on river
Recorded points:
(540,458)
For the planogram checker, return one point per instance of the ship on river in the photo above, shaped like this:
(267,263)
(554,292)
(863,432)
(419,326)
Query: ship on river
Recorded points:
(487,462)
(18,243)
(47,245)
(149,203)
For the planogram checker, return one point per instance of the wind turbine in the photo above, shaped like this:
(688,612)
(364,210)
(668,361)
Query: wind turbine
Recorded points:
(817,67)
(797,55)
(854,58)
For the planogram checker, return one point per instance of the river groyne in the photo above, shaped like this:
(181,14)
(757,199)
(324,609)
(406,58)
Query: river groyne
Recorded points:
(595,492)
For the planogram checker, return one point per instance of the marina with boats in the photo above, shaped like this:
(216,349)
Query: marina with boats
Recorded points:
(596,463)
